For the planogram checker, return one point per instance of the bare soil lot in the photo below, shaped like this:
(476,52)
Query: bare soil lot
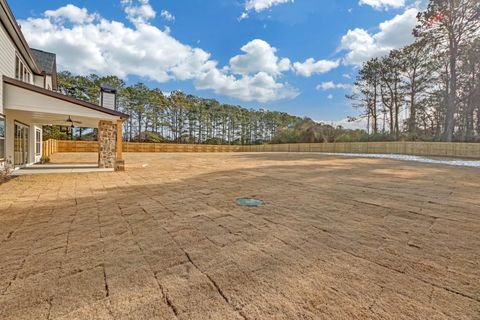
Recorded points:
(337,238)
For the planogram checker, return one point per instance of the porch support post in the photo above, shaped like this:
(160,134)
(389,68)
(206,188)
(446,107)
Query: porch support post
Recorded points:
(106,144)
(119,139)
(119,163)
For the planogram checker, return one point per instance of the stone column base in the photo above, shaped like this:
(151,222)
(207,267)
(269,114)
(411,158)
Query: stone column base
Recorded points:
(106,144)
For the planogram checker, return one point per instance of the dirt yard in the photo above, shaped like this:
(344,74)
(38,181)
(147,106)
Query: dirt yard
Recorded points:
(337,238)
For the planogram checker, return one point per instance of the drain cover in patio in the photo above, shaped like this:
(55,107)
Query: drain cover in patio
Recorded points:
(249,202)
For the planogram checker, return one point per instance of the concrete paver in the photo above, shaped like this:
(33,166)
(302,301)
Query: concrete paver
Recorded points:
(337,238)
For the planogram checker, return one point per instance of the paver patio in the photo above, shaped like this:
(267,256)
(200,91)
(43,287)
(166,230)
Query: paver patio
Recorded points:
(337,238)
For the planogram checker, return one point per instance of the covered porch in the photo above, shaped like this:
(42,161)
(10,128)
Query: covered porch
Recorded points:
(28,108)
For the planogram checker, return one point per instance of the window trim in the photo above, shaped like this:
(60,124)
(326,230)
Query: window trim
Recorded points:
(38,142)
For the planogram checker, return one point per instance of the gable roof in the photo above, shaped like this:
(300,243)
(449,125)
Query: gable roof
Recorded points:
(45,60)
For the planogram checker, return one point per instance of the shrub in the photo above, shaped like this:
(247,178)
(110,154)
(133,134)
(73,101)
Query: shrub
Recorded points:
(6,170)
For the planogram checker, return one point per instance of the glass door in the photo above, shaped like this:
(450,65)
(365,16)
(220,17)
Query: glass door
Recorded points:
(20,144)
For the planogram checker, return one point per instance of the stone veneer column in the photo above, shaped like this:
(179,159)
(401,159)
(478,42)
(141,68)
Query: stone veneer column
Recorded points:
(107,139)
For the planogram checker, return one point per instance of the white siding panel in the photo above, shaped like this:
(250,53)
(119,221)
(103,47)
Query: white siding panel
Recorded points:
(48,83)
(7,60)
(108,100)
(39,81)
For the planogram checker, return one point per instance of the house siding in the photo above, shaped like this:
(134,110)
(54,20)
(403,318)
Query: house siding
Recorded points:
(108,100)
(48,82)
(7,60)
(39,81)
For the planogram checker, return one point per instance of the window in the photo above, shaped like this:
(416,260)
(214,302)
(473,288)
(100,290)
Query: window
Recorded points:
(20,74)
(17,68)
(38,141)
(21,71)
(2,138)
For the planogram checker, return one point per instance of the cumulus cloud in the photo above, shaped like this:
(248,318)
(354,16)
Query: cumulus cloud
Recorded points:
(138,11)
(165,14)
(330,85)
(383,4)
(88,43)
(260,5)
(71,14)
(259,56)
(311,67)
(362,45)
(260,87)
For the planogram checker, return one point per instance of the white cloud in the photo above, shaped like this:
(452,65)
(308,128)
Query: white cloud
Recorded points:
(330,85)
(383,4)
(330,97)
(311,67)
(138,11)
(165,14)
(260,87)
(71,14)
(260,5)
(243,16)
(259,56)
(398,31)
(89,44)
(393,34)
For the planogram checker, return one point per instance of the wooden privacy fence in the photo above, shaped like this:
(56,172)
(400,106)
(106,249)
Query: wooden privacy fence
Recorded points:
(77,146)
(165,147)
(92,146)
(437,149)
(440,149)
(49,147)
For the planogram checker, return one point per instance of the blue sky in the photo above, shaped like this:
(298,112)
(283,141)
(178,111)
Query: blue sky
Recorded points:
(248,52)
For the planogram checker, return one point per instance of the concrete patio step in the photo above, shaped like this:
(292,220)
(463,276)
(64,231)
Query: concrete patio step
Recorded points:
(59,168)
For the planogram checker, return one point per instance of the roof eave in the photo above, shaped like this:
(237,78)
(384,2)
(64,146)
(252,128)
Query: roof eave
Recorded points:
(65,98)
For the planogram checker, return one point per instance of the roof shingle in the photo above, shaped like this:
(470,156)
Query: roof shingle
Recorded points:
(45,60)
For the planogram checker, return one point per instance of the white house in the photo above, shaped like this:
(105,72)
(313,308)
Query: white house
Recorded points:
(29,100)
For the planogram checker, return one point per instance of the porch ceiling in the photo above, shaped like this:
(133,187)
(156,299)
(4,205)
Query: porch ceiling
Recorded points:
(41,106)
(44,118)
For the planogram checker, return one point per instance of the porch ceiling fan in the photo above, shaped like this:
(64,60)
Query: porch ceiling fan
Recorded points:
(70,121)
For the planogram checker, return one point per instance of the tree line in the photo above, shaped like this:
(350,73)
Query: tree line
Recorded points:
(430,89)
(182,118)
(178,117)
